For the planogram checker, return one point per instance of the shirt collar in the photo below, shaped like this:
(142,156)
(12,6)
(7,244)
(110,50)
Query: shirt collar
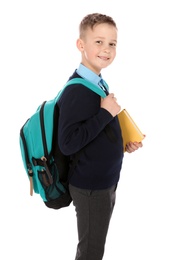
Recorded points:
(88,74)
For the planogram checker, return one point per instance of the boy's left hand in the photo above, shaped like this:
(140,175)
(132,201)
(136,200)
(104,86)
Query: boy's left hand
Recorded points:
(131,147)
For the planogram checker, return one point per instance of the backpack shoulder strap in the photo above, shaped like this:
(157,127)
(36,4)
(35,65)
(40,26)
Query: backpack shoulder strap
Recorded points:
(84,82)
(87,84)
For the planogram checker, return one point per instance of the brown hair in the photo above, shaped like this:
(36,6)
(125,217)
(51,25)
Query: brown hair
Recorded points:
(91,20)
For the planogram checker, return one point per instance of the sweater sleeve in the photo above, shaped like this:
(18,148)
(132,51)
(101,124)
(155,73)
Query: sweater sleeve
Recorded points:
(81,119)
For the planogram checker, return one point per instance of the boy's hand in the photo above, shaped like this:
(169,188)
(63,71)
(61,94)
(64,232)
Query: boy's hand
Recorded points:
(131,147)
(110,104)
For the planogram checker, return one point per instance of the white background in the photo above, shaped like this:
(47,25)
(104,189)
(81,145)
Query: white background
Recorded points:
(37,55)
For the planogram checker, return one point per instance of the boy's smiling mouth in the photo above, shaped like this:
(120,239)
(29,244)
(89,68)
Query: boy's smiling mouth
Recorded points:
(103,58)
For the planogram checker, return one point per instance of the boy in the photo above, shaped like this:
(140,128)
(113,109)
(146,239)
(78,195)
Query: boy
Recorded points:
(89,124)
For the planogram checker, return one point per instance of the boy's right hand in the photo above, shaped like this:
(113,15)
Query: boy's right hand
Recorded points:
(110,104)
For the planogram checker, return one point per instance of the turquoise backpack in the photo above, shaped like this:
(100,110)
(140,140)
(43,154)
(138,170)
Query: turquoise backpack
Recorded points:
(46,167)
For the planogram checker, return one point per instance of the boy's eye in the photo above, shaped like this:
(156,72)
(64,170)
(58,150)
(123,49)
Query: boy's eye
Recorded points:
(112,44)
(98,42)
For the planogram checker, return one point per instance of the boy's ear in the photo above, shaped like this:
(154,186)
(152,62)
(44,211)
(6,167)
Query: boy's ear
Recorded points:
(79,44)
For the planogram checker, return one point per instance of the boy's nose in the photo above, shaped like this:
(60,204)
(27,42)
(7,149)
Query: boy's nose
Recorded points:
(106,49)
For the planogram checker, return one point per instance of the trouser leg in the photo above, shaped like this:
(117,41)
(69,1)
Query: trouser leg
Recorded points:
(93,210)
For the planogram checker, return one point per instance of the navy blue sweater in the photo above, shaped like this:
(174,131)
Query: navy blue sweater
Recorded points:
(82,125)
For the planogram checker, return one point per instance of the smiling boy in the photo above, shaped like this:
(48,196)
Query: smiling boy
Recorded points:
(89,123)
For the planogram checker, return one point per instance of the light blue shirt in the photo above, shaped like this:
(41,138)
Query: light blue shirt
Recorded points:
(89,75)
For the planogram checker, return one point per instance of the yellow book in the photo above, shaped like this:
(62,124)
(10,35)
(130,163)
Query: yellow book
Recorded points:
(130,131)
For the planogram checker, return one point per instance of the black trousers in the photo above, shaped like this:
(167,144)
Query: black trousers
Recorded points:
(93,211)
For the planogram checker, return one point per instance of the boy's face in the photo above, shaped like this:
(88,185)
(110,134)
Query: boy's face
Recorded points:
(98,47)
